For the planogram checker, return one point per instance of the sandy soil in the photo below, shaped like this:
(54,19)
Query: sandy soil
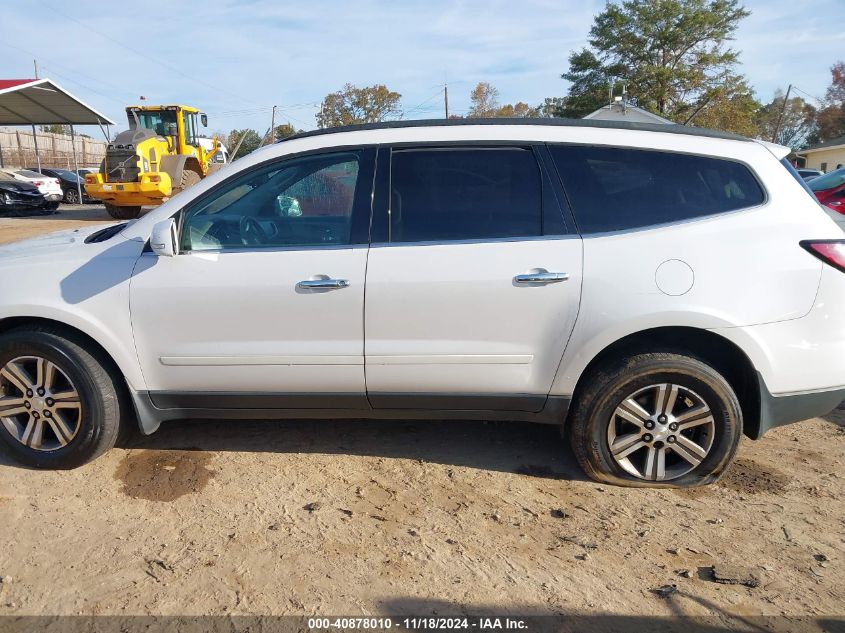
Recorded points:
(381,517)
(69,217)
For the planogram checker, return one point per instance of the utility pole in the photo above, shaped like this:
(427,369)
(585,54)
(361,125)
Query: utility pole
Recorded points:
(446,98)
(35,64)
(273,126)
(780,117)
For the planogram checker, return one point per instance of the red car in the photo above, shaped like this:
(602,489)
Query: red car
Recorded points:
(830,190)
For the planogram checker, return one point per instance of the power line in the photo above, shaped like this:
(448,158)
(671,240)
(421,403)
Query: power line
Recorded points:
(69,69)
(422,103)
(52,71)
(796,88)
(145,56)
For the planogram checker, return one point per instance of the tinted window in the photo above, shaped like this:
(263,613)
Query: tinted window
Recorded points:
(461,194)
(299,202)
(614,189)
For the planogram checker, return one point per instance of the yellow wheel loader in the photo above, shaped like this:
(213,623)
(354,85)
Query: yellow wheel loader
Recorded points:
(159,155)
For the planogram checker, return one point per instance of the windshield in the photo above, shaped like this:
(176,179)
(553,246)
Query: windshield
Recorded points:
(828,181)
(4,175)
(162,122)
(29,174)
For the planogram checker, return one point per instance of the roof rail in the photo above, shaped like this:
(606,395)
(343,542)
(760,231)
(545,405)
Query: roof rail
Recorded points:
(551,122)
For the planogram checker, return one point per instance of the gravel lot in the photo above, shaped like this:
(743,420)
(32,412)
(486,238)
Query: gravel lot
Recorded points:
(384,517)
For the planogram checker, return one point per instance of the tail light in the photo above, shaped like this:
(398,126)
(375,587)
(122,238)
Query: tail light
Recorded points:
(90,179)
(831,252)
(37,183)
(56,180)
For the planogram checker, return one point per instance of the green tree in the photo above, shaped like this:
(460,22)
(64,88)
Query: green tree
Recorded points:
(730,107)
(352,105)
(251,142)
(553,107)
(831,117)
(284,130)
(484,100)
(672,55)
(797,123)
(57,128)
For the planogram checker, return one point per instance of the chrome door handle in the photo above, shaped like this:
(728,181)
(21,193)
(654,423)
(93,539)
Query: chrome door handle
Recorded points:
(541,278)
(312,284)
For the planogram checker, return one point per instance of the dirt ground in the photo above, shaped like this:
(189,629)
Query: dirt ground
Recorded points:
(385,517)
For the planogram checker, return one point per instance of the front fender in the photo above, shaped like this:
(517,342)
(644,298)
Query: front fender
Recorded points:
(81,286)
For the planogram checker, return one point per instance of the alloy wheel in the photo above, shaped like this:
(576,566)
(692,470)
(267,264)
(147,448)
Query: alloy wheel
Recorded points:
(661,432)
(39,405)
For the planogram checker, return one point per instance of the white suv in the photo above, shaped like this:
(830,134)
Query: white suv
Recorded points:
(657,290)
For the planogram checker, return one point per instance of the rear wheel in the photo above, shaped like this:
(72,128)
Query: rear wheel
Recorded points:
(123,213)
(72,196)
(656,419)
(60,405)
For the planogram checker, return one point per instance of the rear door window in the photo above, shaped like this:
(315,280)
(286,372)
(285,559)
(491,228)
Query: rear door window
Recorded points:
(614,189)
(465,194)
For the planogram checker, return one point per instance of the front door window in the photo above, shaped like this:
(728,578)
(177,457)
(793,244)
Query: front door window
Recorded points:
(297,203)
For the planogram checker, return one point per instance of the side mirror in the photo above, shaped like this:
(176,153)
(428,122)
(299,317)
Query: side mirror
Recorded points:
(164,239)
(204,119)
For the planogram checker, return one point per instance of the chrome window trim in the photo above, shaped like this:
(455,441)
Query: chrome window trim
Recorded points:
(483,240)
(273,249)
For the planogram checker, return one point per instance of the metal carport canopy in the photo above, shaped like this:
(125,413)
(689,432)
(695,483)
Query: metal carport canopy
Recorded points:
(43,102)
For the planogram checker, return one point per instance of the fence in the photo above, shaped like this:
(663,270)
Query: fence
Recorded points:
(17,149)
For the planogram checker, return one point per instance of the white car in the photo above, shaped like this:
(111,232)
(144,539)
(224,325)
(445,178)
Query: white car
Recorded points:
(658,291)
(49,187)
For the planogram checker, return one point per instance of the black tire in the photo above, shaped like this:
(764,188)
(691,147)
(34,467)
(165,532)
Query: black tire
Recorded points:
(188,178)
(123,213)
(101,393)
(52,206)
(594,410)
(72,196)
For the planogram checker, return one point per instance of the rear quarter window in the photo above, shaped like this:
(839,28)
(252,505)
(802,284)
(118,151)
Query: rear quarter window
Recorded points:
(614,189)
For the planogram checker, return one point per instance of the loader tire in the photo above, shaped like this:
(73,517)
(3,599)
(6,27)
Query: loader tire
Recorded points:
(189,177)
(123,213)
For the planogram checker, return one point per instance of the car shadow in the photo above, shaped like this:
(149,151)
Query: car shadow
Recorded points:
(837,416)
(533,450)
(678,606)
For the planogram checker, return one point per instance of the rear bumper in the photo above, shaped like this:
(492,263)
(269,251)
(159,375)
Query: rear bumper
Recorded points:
(787,408)
(144,192)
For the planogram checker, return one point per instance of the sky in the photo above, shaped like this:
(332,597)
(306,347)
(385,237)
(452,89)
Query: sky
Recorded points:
(235,59)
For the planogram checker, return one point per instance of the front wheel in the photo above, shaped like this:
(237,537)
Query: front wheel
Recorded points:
(123,213)
(60,405)
(656,419)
